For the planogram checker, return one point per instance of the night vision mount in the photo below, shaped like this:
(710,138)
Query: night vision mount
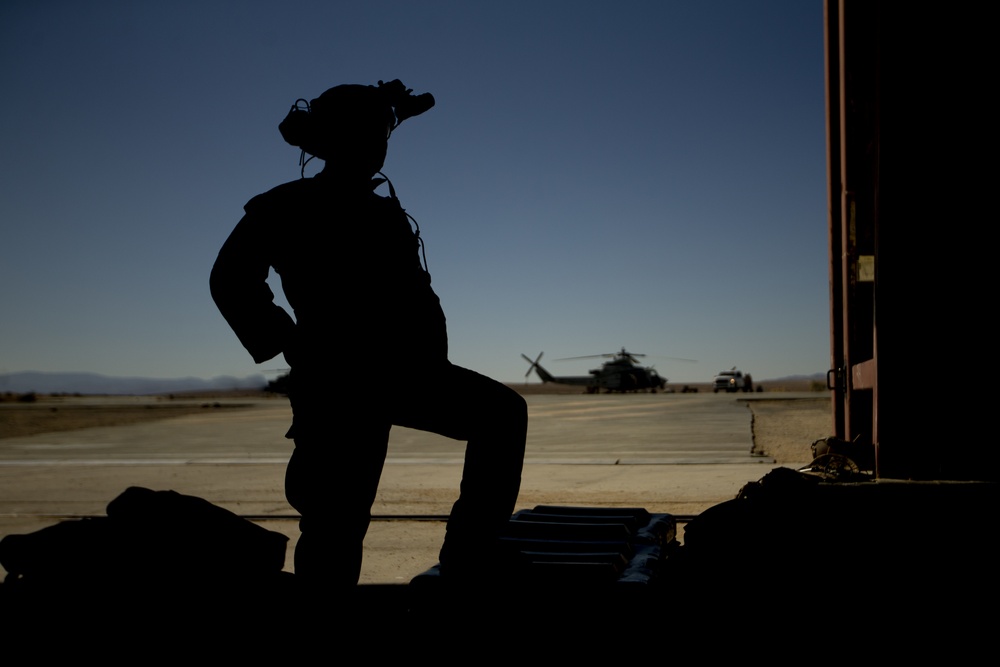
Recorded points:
(403,102)
(300,128)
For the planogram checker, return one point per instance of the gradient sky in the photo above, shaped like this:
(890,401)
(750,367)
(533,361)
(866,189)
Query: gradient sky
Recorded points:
(595,175)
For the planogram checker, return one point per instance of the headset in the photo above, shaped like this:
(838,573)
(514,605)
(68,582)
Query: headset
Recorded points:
(299,127)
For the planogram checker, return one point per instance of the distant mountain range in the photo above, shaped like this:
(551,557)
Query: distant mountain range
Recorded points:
(93,383)
(103,385)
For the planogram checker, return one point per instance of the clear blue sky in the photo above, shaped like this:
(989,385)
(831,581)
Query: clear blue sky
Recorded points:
(595,175)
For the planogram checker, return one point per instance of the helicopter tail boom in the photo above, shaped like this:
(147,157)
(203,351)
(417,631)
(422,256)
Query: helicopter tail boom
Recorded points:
(583,380)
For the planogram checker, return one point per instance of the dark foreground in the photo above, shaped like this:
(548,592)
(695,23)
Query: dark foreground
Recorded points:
(900,568)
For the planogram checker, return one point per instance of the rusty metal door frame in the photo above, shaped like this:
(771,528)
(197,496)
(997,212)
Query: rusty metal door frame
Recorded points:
(851,79)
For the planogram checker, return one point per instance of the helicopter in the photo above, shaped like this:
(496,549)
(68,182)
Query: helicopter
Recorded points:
(622,374)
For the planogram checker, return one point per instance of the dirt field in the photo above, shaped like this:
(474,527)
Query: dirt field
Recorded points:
(786,429)
(782,428)
(47,414)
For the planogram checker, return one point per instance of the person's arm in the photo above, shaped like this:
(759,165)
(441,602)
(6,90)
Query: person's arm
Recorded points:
(238,284)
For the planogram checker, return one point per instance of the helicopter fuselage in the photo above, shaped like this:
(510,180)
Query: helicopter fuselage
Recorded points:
(618,375)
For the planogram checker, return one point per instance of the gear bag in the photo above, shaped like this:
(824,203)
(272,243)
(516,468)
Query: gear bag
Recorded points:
(147,535)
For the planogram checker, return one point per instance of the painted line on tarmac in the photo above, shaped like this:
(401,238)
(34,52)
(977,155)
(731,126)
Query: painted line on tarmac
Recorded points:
(139,462)
(610,461)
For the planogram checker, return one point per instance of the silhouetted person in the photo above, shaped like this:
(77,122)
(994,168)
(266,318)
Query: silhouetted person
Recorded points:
(350,268)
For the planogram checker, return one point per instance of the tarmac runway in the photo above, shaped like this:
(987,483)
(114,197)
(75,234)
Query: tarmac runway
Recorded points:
(666,453)
(890,569)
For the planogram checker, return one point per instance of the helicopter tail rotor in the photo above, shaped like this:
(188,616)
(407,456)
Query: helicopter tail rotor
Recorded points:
(542,373)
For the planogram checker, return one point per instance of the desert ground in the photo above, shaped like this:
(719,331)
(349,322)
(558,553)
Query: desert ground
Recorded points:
(783,429)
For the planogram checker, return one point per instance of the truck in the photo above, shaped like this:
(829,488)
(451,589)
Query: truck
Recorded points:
(732,381)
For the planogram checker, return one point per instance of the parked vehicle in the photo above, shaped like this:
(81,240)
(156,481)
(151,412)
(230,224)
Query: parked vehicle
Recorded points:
(732,381)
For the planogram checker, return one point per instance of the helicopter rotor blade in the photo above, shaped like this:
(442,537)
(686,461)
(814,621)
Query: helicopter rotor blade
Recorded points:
(533,363)
(632,357)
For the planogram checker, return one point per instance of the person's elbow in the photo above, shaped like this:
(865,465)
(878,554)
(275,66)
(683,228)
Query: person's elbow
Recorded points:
(220,284)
